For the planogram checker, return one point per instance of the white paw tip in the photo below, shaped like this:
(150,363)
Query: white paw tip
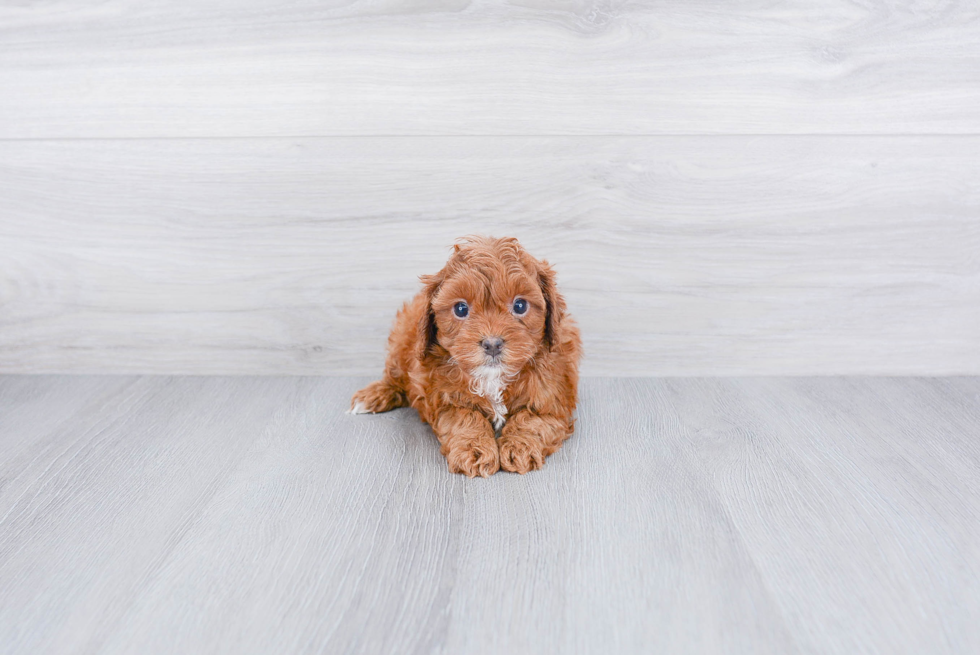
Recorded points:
(358,408)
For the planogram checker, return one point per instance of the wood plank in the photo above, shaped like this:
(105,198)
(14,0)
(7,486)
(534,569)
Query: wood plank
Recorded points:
(37,409)
(119,68)
(852,498)
(334,535)
(678,255)
(93,509)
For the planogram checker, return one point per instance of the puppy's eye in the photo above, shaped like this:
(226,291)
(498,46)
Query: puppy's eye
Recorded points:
(461,309)
(520,306)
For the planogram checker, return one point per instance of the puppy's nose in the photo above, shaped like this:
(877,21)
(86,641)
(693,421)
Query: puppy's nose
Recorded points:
(492,346)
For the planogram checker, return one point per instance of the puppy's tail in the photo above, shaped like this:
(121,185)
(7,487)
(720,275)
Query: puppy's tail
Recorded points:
(380,396)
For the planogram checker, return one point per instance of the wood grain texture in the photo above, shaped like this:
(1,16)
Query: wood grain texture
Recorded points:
(246,515)
(119,68)
(93,508)
(678,255)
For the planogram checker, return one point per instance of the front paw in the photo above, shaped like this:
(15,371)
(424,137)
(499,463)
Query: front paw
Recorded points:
(377,397)
(520,453)
(473,457)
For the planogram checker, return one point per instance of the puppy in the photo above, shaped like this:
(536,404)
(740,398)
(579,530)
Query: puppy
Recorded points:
(485,349)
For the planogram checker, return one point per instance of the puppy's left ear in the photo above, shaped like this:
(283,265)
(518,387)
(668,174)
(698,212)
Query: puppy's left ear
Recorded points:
(554,306)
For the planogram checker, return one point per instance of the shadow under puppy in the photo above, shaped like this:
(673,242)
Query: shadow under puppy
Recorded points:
(486,346)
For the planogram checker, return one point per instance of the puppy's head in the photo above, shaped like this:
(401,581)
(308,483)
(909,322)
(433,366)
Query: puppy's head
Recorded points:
(492,305)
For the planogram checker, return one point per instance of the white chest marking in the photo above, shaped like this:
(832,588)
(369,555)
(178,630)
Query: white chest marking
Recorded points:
(489,382)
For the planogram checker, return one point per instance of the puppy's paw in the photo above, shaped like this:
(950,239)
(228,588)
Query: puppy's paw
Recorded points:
(377,397)
(473,457)
(520,453)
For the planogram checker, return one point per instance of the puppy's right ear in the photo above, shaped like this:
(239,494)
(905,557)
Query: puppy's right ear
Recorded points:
(426,337)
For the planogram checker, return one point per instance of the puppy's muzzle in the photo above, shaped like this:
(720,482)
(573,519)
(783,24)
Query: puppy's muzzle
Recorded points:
(492,346)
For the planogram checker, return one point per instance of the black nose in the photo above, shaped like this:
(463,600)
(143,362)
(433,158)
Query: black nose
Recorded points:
(492,346)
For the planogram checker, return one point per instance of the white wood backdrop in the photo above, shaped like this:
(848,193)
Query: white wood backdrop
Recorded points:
(151,68)
(246,187)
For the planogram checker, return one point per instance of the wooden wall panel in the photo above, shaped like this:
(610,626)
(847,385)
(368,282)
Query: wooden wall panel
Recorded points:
(118,68)
(678,255)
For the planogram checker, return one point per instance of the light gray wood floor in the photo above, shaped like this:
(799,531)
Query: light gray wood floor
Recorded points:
(251,515)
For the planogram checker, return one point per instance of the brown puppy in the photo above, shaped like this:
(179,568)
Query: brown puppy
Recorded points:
(485,346)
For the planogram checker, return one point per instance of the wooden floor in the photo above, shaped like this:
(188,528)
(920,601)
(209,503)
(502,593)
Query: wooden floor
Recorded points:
(251,515)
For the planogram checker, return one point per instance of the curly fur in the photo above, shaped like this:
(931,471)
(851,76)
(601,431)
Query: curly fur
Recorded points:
(436,364)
